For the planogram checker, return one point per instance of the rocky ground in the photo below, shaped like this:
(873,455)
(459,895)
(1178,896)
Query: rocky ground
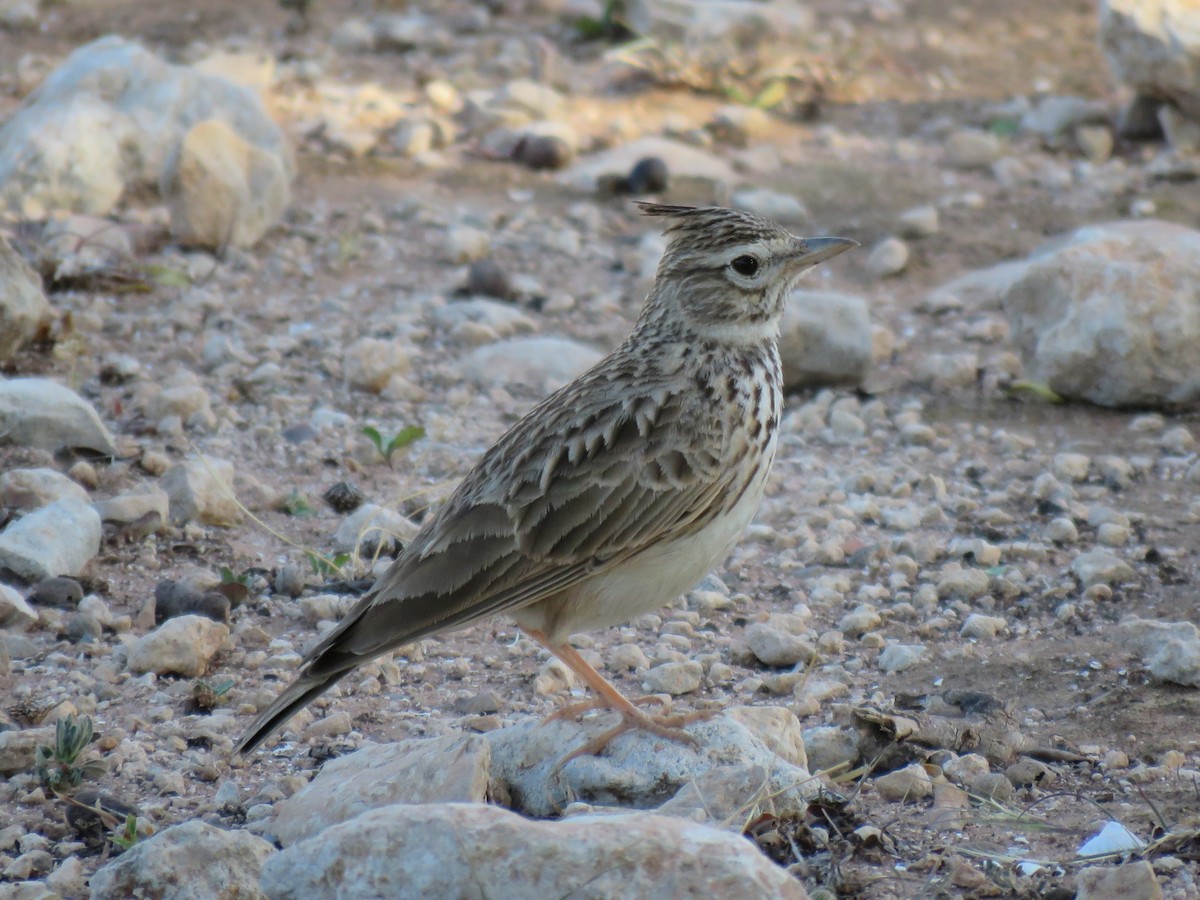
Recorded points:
(956,654)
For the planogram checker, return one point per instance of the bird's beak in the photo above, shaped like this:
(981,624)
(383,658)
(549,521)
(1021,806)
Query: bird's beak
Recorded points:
(816,250)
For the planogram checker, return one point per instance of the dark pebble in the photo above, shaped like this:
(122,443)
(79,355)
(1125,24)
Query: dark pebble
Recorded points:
(344,497)
(478,704)
(83,629)
(542,152)
(299,434)
(172,599)
(289,580)
(60,591)
(649,175)
(488,279)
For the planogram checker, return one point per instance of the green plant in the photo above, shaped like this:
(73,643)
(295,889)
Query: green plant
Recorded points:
(609,26)
(63,767)
(324,566)
(127,834)
(296,504)
(399,441)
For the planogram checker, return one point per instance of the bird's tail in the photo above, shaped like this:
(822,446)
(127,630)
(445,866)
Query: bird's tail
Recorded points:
(295,697)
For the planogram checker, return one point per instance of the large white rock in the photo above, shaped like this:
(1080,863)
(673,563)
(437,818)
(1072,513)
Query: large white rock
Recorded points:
(186,862)
(1111,314)
(24,310)
(824,338)
(221,189)
(449,769)
(637,769)
(1154,47)
(106,120)
(40,413)
(453,850)
(58,539)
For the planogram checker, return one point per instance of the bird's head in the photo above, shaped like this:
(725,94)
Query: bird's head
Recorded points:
(727,273)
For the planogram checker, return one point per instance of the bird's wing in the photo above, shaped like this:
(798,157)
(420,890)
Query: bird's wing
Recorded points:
(547,507)
(581,484)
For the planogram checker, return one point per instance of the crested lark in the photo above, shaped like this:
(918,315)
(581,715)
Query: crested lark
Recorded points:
(618,492)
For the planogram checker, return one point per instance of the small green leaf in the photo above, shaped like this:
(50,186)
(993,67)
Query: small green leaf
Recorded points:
(1038,389)
(1004,126)
(403,438)
(772,95)
(375,437)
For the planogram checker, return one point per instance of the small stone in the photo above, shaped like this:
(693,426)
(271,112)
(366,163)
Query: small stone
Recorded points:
(1061,531)
(465,244)
(544,152)
(1071,466)
(1026,772)
(178,598)
(1095,142)
(907,785)
(344,497)
(887,258)
(991,786)
(830,748)
(371,363)
(1128,881)
(487,278)
(973,149)
(770,204)
(332,725)
(373,529)
(40,413)
(1099,567)
(60,591)
(183,646)
(649,175)
(898,657)
(961,769)
(773,645)
(979,627)
(673,678)
(1112,534)
(201,490)
(627,658)
(919,222)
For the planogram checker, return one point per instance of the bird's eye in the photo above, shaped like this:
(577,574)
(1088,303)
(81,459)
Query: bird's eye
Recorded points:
(745,265)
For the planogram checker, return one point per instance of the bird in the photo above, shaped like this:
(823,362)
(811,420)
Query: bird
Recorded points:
(618,492)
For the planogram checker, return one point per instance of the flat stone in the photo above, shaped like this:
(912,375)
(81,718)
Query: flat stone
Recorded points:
(40,413)
(28,489)
(824,339)
(201,490)
(449,850)
(58,539)
(186,861)
(449,769)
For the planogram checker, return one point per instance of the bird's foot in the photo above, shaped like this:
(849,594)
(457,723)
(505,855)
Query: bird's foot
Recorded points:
(666,725)
(577,710)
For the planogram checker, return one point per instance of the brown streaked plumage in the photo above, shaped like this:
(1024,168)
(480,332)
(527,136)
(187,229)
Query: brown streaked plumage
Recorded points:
(618,492)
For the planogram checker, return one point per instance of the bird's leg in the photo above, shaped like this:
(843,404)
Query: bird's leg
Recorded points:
(667,726)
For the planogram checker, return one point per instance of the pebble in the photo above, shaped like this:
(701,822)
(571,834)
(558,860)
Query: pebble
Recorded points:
(627,658)
(1061,531)
(919,222)
(673,678)
(1071,466)
(978,626)
(774,645)
(1099,567)
(888,257)
(464,244)
(898,657)
(907,785)
(183,646)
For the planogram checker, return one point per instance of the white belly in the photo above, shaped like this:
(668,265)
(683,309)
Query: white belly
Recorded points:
(647,582)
